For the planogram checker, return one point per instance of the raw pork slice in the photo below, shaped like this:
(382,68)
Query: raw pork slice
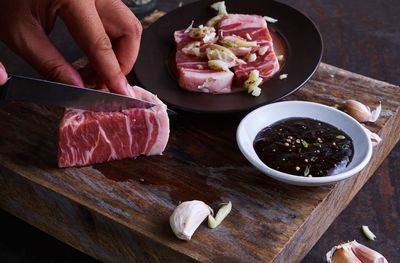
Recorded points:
(87,137)
(193,71)
(251,28)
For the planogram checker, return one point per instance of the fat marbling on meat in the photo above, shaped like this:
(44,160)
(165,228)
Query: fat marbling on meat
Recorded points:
(193,71)
(251,28)
(87,137)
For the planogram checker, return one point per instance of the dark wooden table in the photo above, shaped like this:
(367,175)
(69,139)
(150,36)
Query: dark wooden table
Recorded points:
(363,37)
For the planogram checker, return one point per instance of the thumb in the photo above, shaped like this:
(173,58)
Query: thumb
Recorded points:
(3,75)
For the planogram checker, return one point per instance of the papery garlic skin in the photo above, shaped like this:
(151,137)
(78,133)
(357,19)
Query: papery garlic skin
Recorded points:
(187,217)
(367,255)
(375,113)
(344,254)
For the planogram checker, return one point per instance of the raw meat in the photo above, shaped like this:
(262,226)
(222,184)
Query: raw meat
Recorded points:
(193,71)
(205,80)
(251,28)
(87,137)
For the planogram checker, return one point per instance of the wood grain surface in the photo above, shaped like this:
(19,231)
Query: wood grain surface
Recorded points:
(50,208)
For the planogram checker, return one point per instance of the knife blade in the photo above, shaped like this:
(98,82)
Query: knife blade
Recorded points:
(19,88)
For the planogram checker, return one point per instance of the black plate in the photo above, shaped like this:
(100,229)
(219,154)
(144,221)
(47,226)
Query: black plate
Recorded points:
(155,71)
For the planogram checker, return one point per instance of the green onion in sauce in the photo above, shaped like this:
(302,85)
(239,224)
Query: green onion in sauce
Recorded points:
(304,147)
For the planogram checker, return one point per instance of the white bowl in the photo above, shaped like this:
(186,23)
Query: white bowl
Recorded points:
(266,115)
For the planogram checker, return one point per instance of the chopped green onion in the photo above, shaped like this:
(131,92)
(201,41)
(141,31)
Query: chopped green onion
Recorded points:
(252,83)
(305,144)
(307,170)
(316,144)
(345,146)
(340,137)
(313,159)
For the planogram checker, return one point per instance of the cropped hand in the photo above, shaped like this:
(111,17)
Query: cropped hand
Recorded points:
(3,75)
(106,30)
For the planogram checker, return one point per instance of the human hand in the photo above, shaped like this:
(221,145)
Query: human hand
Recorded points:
(106,30)
(3,75)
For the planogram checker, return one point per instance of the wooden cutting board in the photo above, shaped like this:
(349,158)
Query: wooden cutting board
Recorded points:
(119,211)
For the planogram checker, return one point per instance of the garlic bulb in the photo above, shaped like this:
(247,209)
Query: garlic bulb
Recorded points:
(360,112)
(353,252)
(187,217)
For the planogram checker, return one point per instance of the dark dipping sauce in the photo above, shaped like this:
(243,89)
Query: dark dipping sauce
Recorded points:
(304,147)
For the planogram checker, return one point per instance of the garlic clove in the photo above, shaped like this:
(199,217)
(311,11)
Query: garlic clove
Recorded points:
(367,255)
(354,252)
(344,255)
(220,216)
(375,139)
(187,217)
(357,110)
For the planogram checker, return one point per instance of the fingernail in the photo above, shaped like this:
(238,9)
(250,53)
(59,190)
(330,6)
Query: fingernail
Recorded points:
(119,85)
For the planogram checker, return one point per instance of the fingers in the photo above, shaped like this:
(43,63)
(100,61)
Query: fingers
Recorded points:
(45,57)
(3,75)
(86,27)
(25,35)
(123,28)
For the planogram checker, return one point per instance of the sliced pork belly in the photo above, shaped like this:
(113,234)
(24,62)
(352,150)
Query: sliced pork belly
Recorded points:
(241,51)
(205,80)
(234,24)
(251,28)
(193,71)
(267,65)
(87,137)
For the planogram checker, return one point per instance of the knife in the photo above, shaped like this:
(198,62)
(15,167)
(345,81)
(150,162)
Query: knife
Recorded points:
(18,88)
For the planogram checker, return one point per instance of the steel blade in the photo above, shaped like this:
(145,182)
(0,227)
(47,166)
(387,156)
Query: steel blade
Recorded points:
(68,96)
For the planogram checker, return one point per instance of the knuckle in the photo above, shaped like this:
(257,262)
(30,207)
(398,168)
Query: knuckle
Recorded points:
(130,24)
(133,26)
(102,43)
(137,27)
(54,70)
(126,67)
